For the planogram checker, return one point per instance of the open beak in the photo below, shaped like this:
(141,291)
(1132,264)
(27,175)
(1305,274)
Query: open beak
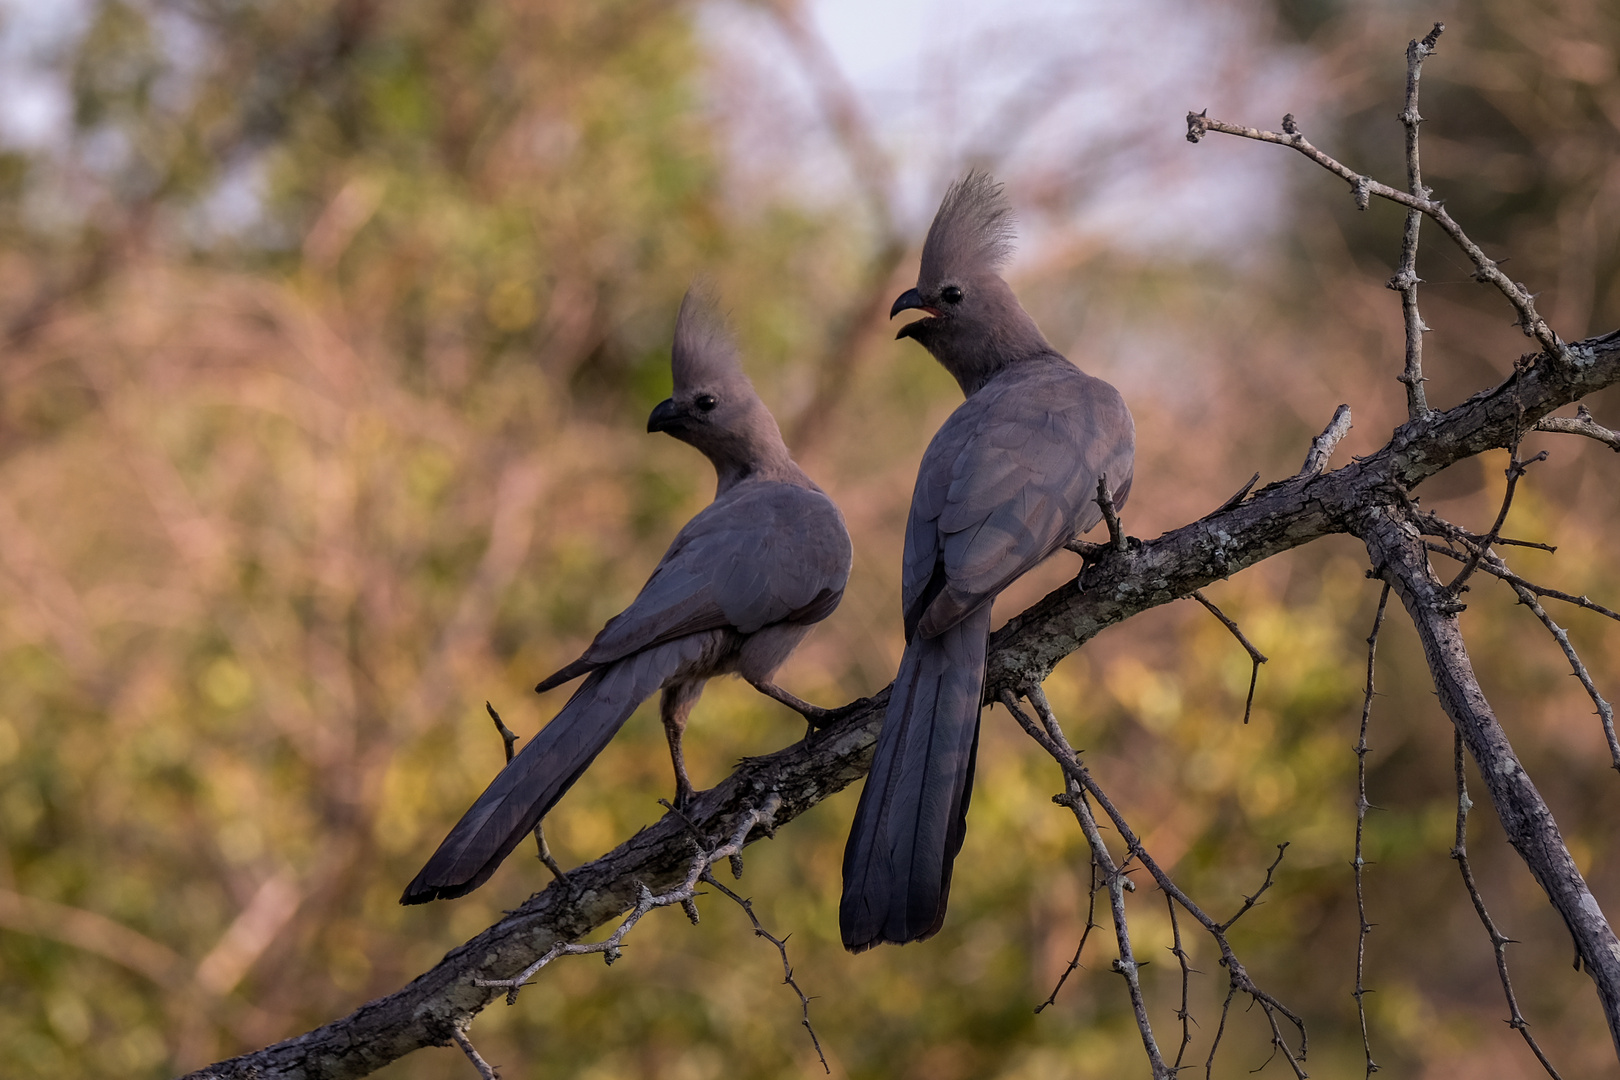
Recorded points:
(665,415)
(911,300)
(908,300)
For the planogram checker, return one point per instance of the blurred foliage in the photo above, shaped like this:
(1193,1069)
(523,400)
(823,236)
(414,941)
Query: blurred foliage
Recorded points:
(328,337)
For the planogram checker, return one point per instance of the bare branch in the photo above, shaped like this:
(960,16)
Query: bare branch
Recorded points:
(1362,806)
(1256,657)
(1323,445)
(1515,469)
(612,946)
(1406,280)
(1182,1014)
(1075,799)
(781,947)
(485,1069)
(509,738)
(1397,550)
(1049,734)
(1499,940)
(1091,924)
(1150,573)
(1581,424)
(1238,496)
(1605,711)
(1530,321)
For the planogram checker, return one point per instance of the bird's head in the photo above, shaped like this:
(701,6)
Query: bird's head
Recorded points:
(972,322)
(713,406)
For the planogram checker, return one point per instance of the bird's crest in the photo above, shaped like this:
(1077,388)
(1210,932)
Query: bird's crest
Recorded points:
(704,350)
(972,232)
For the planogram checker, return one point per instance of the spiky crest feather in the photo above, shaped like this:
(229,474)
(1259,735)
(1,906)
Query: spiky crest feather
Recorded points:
(972,233)
(704,351)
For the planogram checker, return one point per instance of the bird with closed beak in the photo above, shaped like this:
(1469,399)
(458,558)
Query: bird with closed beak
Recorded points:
(739,588)
(1008,479)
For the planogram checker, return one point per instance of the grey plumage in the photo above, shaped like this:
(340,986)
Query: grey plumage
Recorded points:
(1008,479)
(739,587)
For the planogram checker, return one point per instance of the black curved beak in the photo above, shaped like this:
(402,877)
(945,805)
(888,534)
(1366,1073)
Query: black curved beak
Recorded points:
(907,300)
(665,415)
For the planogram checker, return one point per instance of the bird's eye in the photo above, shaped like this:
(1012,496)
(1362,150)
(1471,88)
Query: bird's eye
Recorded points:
(951,294)
(705,402)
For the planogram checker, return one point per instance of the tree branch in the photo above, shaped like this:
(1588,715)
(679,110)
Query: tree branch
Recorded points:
(1397,550)
(1278,517)
(1406,280)
(1530,321)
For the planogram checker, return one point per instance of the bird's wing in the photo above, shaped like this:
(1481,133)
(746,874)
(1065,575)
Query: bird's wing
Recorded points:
(1010,477)
(765,553)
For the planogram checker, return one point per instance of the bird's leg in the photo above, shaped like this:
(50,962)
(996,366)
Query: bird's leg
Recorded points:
(814,715)
(675,706)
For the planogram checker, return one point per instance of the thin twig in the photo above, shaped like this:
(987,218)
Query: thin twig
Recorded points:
(1515,469)
(1529,320)
(1183,1014)
(1238,497)
(1075,799)
(1091,924)
(1605,711)
(1256,657)
(509,738)
(1499,940)
(1049,734)
(1323,445)
(787,968)
(1362,806)
(1406,280)
(1250,901)
(612,947)
(1581,424)
(485,1069)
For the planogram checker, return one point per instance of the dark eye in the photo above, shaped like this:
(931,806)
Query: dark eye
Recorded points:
(705,402)
(951,294)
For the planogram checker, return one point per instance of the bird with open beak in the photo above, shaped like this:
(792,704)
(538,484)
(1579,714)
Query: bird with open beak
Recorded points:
(1009,478)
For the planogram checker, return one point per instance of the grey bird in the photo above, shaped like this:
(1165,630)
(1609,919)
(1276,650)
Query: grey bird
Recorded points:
(736,592)
(1010,478)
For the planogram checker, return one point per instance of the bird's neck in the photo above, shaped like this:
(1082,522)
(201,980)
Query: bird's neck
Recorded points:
(777,467)
(976,354)
(752,451)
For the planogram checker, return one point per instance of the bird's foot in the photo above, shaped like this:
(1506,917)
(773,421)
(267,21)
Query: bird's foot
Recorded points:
(814,715)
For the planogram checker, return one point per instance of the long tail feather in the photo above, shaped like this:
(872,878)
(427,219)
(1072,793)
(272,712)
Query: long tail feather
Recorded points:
(532,782)
(913,811)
